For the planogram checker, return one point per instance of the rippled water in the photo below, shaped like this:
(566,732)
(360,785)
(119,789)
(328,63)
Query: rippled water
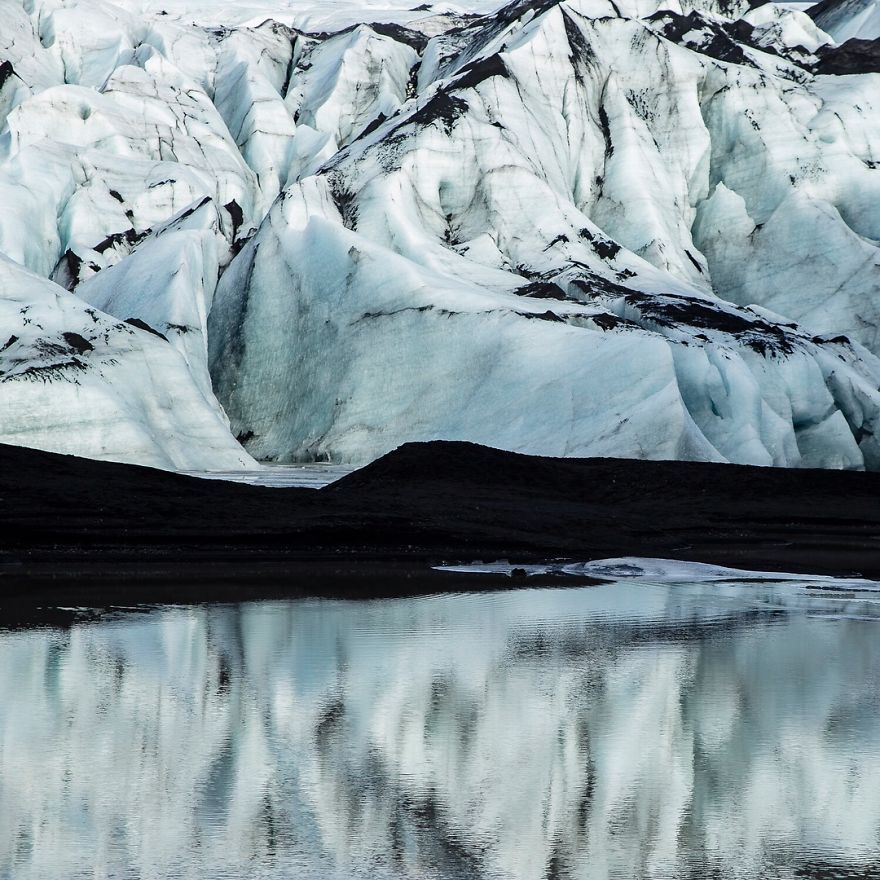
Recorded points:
(628,730)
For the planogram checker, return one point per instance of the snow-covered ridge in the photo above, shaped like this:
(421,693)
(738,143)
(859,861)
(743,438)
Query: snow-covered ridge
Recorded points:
(566,227)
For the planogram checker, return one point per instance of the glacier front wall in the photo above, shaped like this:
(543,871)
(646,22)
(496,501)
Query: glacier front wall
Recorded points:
(564,228)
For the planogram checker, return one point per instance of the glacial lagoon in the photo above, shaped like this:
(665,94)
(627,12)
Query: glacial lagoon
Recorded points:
(627,730)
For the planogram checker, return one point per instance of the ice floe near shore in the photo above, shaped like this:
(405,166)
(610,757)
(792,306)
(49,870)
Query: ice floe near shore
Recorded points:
(661,571)
(711,586)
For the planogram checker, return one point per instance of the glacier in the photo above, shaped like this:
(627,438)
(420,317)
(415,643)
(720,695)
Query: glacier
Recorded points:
(305,231)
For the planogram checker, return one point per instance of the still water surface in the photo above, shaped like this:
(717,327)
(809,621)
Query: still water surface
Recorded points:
(623,731)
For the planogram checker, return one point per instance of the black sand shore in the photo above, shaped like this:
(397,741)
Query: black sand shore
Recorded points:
(79,532)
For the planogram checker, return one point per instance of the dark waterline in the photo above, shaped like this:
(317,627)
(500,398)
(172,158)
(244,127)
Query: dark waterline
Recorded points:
(621,731)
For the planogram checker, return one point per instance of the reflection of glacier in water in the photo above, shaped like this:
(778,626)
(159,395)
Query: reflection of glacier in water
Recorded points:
(628,730)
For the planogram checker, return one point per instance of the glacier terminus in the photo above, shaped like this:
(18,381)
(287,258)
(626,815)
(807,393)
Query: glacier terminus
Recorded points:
(303,232)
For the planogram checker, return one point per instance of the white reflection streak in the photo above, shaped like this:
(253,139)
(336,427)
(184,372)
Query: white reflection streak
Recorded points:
(510,735)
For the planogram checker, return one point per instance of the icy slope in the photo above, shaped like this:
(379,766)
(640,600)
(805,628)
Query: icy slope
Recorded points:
(554,227)
(73,379)
(848,19)
(524,254)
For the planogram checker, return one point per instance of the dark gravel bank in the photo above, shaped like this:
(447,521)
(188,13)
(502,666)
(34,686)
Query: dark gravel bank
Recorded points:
(83,532)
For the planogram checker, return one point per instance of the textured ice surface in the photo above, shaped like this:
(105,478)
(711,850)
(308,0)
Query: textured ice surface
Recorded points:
(848,19)
(567,227)
(74,379)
